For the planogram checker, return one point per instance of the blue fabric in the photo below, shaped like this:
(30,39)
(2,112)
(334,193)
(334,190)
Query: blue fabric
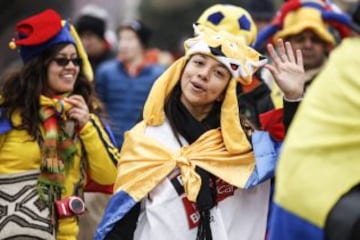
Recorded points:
(264,35)
(266,151)
(118,205)
(124,96)
(337,17)
(5,124)
(285,225)
(313,5)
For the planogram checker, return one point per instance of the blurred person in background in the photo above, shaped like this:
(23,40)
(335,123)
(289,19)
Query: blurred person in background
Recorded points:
(52,136)
(313,26)
(262,12)
(92,28)
(124,82)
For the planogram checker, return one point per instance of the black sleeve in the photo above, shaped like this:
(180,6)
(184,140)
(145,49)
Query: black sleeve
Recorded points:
(290,109)
(125,228)
(343,221)
(255,102)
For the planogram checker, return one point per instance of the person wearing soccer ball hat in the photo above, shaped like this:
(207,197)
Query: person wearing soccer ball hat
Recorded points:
(254,98)
(193,168)
(313,26)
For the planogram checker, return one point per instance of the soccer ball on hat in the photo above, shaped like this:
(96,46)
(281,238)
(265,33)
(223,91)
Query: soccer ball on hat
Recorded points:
(230,18)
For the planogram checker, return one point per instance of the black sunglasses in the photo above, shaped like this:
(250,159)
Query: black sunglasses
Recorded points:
(65,61)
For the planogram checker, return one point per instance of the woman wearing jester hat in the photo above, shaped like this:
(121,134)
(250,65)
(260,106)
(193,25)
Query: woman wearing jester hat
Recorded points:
(193,168)
(51,136)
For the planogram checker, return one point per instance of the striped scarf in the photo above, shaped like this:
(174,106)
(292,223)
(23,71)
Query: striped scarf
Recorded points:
(57,149)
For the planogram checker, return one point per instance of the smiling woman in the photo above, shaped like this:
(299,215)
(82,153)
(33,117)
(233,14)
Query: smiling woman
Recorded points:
(51,133)
(191,160)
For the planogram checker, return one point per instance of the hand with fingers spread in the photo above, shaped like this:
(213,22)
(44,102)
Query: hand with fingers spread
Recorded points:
(287,69)
(79,110)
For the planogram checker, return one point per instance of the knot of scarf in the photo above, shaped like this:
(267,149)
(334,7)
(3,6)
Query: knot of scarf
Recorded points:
(145,163)
(57,148)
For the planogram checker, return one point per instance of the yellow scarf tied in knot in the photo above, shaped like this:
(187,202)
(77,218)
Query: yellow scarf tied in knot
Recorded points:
(145,163)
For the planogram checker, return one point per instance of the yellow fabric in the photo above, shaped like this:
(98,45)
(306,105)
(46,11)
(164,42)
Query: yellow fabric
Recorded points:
(277,96)
(2,139)
(86,66)
(153,112)
(232,133)
(145,163)
(230,22)
(320,159)
(20,152)
(305,18)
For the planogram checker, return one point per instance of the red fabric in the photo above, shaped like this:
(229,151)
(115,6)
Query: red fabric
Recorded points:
(39,28)
(271,122)
(223,190)
(254,84)
(284,10)
(92,186)
(343,30)
(192,213)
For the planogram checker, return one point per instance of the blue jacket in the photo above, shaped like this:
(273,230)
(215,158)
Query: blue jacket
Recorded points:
(124,95)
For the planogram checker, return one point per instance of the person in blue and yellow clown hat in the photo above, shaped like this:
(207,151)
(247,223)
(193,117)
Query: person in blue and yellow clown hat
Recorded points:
(317,193)
(193,168)
(52,137)
(313,26)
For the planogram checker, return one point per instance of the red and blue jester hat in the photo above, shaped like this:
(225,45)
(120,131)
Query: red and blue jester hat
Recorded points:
(294,16)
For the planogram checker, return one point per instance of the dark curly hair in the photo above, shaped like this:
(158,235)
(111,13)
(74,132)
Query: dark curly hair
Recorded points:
(21,88)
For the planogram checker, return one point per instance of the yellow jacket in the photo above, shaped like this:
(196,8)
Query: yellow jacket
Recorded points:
(20,153)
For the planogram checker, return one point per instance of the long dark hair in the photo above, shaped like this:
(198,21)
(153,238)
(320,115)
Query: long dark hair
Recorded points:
(21,88)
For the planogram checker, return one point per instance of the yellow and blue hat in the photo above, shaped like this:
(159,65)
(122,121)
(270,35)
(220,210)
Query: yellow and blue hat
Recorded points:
(295,16)
(41,31)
